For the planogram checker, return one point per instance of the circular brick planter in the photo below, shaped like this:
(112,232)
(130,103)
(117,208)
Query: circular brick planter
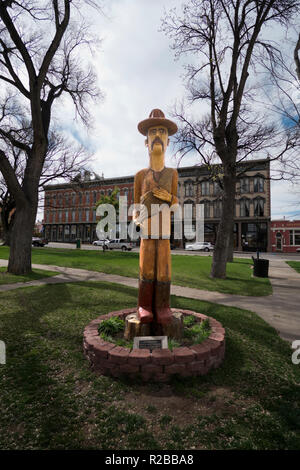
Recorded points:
(160,364)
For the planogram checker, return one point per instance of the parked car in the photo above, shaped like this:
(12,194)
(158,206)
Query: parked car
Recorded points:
(201,246)
(36,241)
(101,242)
(122,244)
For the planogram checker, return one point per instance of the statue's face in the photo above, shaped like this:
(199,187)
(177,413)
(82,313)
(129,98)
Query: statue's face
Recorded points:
(158,139)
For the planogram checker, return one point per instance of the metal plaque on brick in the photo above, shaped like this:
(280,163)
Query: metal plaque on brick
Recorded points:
(150,342)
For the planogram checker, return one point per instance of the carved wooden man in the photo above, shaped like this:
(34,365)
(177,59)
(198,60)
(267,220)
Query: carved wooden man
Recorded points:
(152,186)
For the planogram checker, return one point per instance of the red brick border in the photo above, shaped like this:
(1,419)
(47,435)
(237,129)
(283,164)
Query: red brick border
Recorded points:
(158,366)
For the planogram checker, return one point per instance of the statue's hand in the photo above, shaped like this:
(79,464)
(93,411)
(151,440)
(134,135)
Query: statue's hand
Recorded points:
(136,218)
(162,194)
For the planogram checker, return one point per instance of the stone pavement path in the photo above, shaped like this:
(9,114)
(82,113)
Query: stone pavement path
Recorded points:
(281,309)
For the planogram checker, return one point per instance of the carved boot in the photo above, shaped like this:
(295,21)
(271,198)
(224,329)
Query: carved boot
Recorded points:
(145,314)
(162,302)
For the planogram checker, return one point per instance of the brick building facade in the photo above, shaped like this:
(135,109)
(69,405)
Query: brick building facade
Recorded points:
(285,236)
(70,208)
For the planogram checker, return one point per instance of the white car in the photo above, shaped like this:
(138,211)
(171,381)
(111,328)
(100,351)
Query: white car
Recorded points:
(205,246)
(120,244)
(101,242)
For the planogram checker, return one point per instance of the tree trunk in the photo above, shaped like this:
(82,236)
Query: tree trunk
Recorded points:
(5,227)
(20,240)
(225,230)
(230,248)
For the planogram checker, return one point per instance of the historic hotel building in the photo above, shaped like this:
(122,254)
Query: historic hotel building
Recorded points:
(70,208)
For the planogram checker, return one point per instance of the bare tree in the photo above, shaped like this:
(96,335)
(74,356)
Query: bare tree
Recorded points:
(63,160)
(40,68)
(284,100)
(228,36)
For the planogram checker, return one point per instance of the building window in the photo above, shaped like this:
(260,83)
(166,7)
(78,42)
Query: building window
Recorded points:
(217,189)
(94,197)
(245,185)
(59,216)
(67,216)
(217,206)
(60,232)
(67,199)
(258,184)
(87,215)
(67,232)
(245,207)
(73,215)
(205,188)
(73,199)
(94,215)
(188,211)
(80,215)
(109,192)
(87,197)
(295,237)
(259,207)
(188,189)
(206,209)
(54,200)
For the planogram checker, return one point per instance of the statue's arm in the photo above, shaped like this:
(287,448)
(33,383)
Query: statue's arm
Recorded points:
(137,195)
(174,199)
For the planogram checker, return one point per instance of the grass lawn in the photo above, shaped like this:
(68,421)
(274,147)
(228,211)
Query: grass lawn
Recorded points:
(51,399)
(6,278)
(191,271)
(295,265)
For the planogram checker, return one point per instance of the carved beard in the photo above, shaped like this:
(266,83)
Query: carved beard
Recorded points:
(157,140)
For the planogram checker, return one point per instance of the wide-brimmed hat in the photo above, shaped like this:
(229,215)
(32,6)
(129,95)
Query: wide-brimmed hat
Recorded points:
(157,118)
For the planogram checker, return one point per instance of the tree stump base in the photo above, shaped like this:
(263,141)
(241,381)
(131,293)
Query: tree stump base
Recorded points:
(133,327)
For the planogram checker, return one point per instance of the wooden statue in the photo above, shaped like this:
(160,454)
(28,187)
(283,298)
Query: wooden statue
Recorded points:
(152,186)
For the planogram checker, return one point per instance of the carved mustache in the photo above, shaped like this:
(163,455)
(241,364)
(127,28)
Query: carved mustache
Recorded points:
(157,140)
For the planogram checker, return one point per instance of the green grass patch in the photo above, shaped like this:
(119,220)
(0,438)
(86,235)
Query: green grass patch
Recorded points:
(295,265)
(51,398)
(7,278)
(187,270)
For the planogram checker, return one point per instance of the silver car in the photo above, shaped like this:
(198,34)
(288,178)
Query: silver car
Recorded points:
(120,244)
(101,242)
(201,246)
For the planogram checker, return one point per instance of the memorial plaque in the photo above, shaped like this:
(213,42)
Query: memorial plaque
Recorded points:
(150,342)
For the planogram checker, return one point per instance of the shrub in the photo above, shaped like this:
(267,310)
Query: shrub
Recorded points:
(111,326)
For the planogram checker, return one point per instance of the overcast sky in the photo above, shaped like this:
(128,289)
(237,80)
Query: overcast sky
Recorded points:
(137,73)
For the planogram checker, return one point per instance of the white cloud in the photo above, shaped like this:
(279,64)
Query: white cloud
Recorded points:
(137,73)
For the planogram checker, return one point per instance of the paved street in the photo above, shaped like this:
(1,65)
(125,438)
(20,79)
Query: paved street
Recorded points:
(281,309)
(238,254)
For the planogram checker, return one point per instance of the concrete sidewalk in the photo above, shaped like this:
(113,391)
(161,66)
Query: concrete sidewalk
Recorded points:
(281,309)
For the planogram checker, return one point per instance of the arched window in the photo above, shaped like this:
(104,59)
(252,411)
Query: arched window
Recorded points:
(206,204)
(189,202)
(205,188)
(259,206)
(244,207)
(217,188)
(258,184)
(245,185)
(217,208)
(188,188)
